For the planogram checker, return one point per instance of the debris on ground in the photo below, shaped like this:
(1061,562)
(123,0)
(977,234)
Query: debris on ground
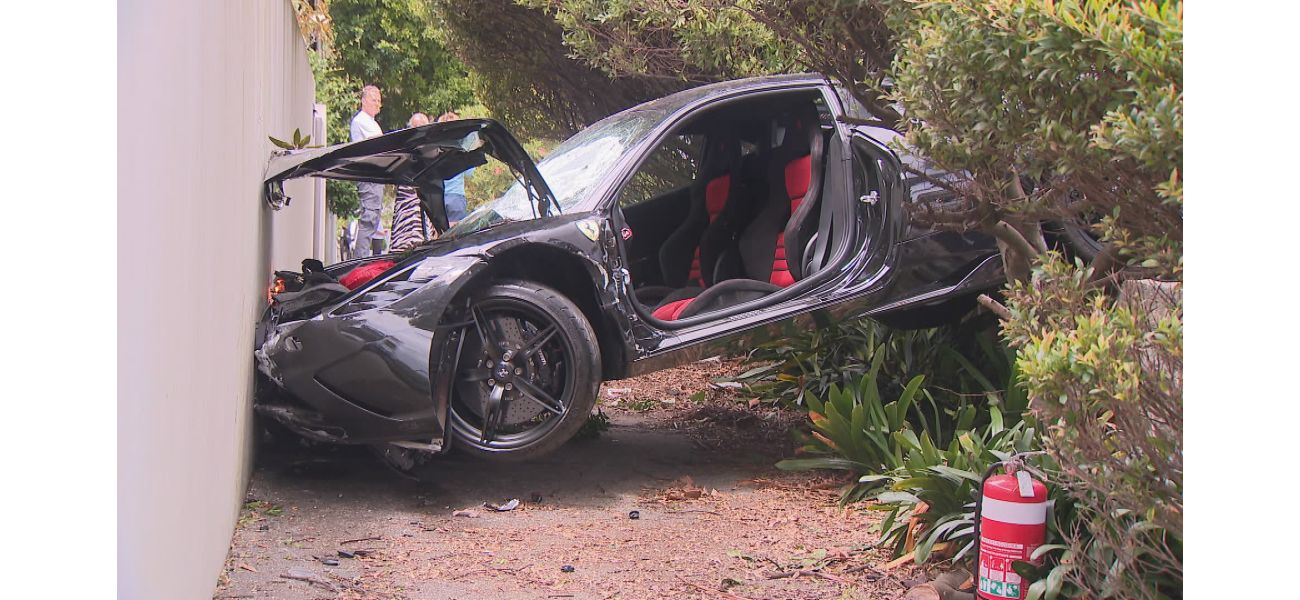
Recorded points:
(948,586)
(506,507)
(467,513)
(309,577)
(684,489)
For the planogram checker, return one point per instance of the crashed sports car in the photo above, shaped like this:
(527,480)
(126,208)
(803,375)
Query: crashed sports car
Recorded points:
(672,231)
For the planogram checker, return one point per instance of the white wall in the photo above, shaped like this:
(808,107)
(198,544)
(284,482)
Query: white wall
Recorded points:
(201,85)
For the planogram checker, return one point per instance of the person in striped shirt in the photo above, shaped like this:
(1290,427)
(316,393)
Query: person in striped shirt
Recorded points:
(410,226)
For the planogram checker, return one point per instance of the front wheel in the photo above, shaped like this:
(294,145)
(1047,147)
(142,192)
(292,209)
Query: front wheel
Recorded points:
(528,373)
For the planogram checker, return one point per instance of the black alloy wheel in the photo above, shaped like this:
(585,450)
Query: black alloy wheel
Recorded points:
(528,374)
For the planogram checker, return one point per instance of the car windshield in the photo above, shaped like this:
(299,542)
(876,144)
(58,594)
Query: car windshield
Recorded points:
(572,170)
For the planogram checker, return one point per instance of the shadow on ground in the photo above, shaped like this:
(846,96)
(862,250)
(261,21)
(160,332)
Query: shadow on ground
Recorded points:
(592,473)
(712,517)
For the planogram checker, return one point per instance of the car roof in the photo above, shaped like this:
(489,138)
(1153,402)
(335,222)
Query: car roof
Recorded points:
(673,102)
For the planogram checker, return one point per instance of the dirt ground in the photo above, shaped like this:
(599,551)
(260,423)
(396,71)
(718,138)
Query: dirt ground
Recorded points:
(714,518)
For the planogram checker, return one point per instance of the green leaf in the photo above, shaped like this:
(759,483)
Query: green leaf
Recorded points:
(970,369)
(876,478)
(756,371)
(828,462)
(907,439)
(923,547)
(1036,590)
(1054,580)
(813,403)
(897,497)
(905,400)
(958,473)
(1041,551)
(281,143)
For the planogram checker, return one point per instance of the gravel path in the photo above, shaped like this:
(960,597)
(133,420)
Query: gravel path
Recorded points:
(715,519)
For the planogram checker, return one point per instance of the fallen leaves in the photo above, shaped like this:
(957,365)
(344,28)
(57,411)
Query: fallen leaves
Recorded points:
(684,489)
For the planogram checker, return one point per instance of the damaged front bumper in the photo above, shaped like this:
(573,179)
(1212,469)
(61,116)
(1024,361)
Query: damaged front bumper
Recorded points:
(365,369)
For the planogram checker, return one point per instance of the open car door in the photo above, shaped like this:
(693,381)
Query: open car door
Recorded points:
(419,157)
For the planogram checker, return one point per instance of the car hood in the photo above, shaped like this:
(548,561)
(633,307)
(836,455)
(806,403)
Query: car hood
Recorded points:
(420,157)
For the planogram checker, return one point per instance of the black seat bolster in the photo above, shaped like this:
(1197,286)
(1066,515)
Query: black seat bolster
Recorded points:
(727,293)
(689,291)
(652,295)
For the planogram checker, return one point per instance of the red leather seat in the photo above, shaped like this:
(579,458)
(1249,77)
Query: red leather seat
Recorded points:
(766,245)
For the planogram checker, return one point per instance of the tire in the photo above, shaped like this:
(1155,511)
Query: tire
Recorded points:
(1081,242)
(549,360)
(1077,233)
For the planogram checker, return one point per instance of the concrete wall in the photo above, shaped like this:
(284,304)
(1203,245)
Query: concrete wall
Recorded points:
(201,85)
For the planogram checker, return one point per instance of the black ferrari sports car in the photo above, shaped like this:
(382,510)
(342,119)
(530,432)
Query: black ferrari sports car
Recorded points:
(666,233)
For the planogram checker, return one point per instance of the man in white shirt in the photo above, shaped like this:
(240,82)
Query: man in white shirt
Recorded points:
(371,194)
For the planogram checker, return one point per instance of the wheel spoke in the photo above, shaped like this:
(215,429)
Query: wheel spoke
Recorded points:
(492,413)
(487,332)
(476,374)
(533,345)
(528,390)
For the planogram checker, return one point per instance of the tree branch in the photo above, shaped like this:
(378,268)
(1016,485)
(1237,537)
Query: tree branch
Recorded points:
(994,306)
(1013,238)
(933,180)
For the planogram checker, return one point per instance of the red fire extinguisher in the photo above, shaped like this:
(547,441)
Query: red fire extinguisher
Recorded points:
(1011,522)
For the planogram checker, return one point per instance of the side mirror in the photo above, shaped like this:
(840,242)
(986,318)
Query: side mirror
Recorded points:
(275,195)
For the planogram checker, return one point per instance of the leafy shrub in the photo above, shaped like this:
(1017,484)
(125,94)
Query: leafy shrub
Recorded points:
(1105,377)
(1081,99)
(962,361)
(792,368)
(892,445)
(947,481)
(854,429)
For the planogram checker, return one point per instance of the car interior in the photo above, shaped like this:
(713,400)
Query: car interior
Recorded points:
(728,208)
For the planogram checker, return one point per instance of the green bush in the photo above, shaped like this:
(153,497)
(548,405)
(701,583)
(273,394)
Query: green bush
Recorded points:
(892,445)
(1066,110)
(853,428)
(791,368)
(962,361)
(1104,375)
(946,480)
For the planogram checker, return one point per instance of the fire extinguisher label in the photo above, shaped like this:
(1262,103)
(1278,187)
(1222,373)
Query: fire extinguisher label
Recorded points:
(996,577)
